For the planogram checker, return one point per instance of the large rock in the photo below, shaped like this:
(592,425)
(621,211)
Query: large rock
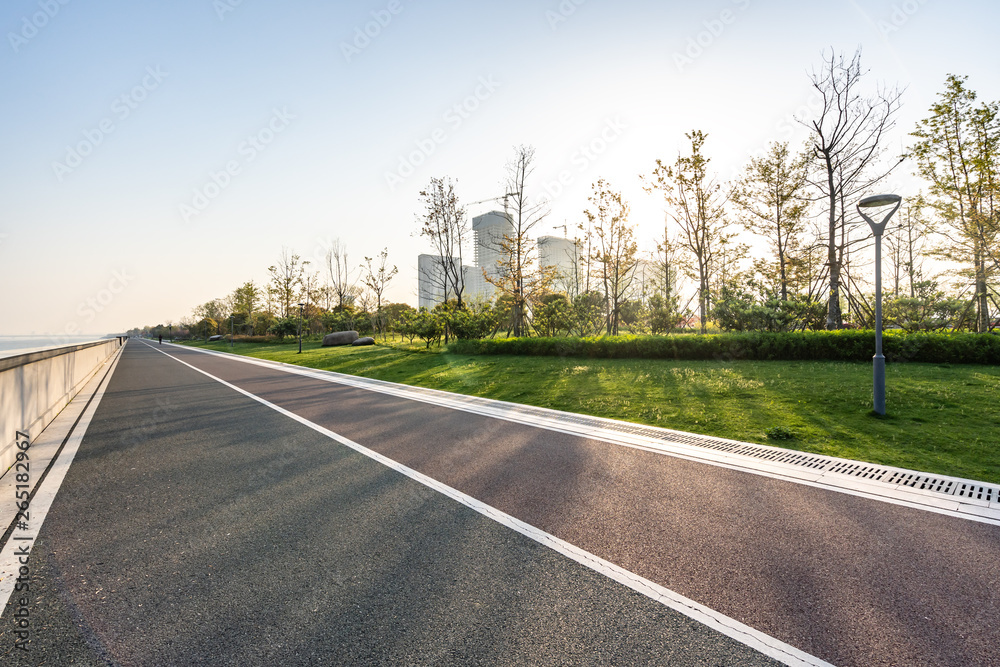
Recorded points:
(339,338)
(367,340)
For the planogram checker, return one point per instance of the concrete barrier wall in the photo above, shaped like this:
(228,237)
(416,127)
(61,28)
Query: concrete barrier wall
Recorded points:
(35,387)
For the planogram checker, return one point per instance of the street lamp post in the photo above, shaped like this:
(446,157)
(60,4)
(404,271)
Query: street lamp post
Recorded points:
(300,327)
(230,331)
(878,361)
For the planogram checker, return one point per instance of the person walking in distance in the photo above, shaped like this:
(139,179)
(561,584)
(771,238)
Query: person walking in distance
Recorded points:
(161,339)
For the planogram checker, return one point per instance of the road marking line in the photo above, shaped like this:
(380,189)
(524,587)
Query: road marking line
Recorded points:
(903,497)
(45,492)
(717,621)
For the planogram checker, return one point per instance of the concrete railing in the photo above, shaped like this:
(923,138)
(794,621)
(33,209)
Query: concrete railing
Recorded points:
(35,387)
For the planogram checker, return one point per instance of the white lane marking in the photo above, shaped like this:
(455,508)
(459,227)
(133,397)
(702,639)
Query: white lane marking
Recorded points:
(892,494)
(719,622)
(12,558)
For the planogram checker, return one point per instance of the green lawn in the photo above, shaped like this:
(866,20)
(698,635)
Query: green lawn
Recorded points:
(941,419)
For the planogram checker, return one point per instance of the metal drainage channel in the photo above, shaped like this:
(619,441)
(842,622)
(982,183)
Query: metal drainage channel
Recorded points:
(935,484)
(945,486)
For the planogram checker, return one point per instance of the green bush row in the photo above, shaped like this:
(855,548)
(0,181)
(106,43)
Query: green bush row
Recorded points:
(845,345)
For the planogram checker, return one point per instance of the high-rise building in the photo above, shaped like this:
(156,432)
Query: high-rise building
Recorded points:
(489,230)
(563,255)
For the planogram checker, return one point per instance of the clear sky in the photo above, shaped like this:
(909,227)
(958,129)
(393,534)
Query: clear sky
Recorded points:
(155,155)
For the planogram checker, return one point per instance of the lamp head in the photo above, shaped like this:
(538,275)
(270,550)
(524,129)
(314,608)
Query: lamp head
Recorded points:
(879,200)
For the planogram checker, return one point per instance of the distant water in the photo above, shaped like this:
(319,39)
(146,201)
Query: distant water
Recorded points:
(12,345)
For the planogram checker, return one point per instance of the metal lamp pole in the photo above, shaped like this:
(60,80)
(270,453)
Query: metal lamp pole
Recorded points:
(300,327)
(878,370)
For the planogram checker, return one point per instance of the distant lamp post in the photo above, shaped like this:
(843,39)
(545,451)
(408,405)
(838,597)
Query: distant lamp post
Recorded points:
(230,331)
(300,327)
(878,370)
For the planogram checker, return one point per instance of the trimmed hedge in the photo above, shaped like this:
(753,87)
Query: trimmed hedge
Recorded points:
(844,345)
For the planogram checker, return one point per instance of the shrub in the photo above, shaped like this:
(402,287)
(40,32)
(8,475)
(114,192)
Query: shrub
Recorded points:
(844,345)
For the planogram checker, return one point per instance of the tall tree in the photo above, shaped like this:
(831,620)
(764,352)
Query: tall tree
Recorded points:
(695,201)
(517,274)
(770,199)
(378,276)
(613,248)
(847,138)
(445,224)
(905,245)
(286,280)
(341,279)
(246,299)
(958,153)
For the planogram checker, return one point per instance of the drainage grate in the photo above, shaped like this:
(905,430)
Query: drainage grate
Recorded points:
(978,492)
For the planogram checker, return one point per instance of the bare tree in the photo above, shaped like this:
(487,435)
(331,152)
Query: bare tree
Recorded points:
(445,224)
(905,243)
(695,201)
(516,274)
(613,248)
(846,138)
(341,279)
(377,277)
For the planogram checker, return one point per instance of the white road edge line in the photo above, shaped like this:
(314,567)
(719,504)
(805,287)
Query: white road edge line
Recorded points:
(41,503)
(754,466)
(719,622)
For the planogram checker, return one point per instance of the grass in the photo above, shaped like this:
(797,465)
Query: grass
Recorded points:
(941,418)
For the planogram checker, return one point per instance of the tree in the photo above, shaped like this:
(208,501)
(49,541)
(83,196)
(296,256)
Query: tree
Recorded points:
(846,138)
(215,311)
(695,201)
(769,197)
(377,279)
(342,281)
(958,153)
(905,247)
(444,223)
(613,248)
(587,315)
(287,280)
(553,315)
(246,299)
(516,274)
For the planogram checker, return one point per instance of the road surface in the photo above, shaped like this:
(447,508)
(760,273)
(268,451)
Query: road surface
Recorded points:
(198,525)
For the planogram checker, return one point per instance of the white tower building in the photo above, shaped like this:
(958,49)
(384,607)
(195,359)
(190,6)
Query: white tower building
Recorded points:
(489,230)
(564,256)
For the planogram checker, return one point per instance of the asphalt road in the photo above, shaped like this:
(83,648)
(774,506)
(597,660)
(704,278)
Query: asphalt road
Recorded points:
(198,526)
